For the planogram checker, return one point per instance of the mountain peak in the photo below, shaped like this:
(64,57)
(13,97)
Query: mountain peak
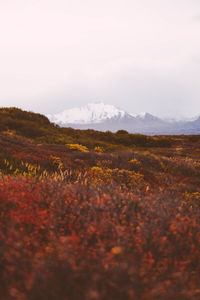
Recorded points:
(88,114)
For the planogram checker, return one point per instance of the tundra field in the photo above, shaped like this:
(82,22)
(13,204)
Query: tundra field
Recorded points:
(88,215)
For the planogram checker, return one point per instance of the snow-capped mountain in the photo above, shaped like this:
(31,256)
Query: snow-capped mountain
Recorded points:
(100,116)
(88,114)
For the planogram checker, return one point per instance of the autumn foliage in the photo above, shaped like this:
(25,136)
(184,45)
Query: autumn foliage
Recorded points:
(84,223)
(64,241)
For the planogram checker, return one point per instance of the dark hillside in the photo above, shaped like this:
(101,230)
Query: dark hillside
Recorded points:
(25,123)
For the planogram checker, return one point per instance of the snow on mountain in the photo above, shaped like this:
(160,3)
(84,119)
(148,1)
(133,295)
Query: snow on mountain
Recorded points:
(103,117)
(181,119)
(145,116)
(140,115)
(90,113)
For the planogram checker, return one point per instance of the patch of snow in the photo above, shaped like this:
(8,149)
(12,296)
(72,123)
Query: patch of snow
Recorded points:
(182,119)
(141,115)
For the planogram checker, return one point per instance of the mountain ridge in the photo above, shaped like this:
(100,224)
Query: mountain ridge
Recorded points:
(103,117)
(95,113)
(90,113)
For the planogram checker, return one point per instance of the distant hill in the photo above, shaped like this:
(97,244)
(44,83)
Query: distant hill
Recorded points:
(26,123)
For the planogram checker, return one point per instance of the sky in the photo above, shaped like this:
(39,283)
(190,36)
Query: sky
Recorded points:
(139,55)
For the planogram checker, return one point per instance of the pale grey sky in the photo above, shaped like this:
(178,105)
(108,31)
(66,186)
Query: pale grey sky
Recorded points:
(140,55)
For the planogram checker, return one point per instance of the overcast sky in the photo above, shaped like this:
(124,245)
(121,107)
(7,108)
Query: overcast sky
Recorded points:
(140,55)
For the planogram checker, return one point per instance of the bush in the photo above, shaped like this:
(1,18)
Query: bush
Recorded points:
(77,147)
